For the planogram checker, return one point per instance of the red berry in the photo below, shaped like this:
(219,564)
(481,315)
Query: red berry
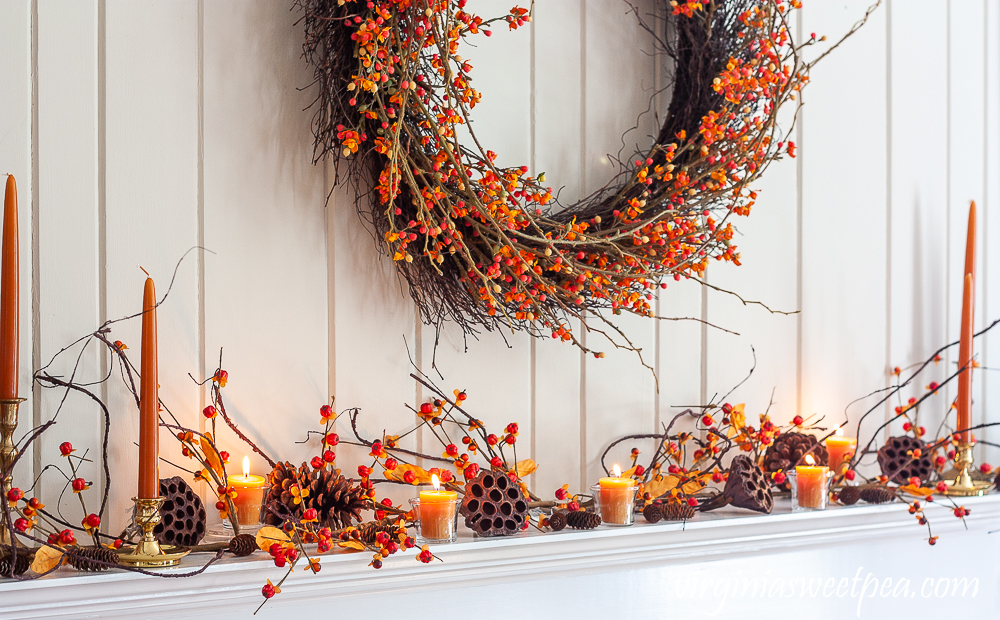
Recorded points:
(22,525)
(941,487)
(210,412)
(692,502)
(426,408)
(267,590)
(332,439)
(797,420)
(317,462)
(391,464)
(66,448)
(310,514)
(409,543)
(573,506)
(376,564)
(326,411)
(291,554)
(706,420)
(849,474)
(985,468)
(92,520)
(66,537)
(561,494)
(496,462)
(451,450)
(779,478)
(471,471)
(639,470)
(220,506)
(409,477)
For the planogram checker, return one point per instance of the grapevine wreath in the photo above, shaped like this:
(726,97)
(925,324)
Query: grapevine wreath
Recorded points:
(489,247)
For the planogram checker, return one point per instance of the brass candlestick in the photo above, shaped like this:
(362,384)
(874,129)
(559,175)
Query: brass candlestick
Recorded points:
(963,480)
(8,452)
(149,553)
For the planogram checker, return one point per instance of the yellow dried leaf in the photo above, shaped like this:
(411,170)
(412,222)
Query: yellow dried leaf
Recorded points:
(422,475)
(208,447)
(525,468)
(354,545)
(916,491)
(46,559)
(628,473)
(660,485)
(267,536)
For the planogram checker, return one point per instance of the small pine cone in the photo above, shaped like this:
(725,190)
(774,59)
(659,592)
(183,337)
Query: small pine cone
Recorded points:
(20,565)
(877,494)
(242,545)
(92,559)
(849,495)
(652,513)
(582,520)
(677,512)
(557,521)
(370,530)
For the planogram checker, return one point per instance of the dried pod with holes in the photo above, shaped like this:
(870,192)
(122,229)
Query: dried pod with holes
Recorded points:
(746,487)
(494,505)
(182,516)
(900,460)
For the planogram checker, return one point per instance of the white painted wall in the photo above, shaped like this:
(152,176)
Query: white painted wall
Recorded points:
(138,129)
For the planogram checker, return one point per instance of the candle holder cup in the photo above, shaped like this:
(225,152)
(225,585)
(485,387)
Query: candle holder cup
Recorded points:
(812,498)
(436,522)
(616,506)
(249,514)
(8,451)
(148,553)
(964,480)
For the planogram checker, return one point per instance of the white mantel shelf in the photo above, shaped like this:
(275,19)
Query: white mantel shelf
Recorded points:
(231,588)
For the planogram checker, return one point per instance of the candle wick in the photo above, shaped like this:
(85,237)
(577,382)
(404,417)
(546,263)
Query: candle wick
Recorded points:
(144,271)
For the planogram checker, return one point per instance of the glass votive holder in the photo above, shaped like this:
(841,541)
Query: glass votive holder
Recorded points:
(249,505)
(615,505)
(437,521)
(811,490)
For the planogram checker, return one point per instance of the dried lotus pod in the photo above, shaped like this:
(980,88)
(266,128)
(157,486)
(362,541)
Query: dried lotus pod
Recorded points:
(677,512)
(243,545)
(789,450)
(746,487)
(182,516)
(896,459)
(92,559)
(494,505)
(652,513)
(877,494)
(557,521)
(849,496)
(583,520)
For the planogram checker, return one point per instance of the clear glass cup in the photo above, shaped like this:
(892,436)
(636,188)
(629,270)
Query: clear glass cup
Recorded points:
(615,505)
(436,522)
(810,492)
(250,511)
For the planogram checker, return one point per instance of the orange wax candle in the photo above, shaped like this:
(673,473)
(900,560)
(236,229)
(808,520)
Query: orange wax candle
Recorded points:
(149,402)
(437,511)
(964,404)
(249,495)
(841,450)
(9,295)
(616,494)
(810,481)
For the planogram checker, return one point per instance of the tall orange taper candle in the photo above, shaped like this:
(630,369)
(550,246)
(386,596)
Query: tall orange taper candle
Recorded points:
(970,244)
(964,403)
(8,295)
(149,477)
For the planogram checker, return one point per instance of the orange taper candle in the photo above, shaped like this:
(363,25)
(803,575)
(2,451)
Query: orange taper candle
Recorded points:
(970,245)
(149,402)
(964,403)
(8,295)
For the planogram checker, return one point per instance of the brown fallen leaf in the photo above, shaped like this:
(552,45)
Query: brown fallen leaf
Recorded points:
(46,559)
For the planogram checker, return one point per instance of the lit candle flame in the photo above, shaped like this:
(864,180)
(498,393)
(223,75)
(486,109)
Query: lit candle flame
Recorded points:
(810,460)
(840,432)
(246,467)
(617,471)
(436,482)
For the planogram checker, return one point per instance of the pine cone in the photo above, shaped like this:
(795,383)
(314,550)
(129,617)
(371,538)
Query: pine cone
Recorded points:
(20,565)
(337,500)
(242,545)
(677,512)
(877,494)
(582,520)
(92,559)
(849,495)
(370,530)
(896,460)
(557,521)
(652,513)
(788,449)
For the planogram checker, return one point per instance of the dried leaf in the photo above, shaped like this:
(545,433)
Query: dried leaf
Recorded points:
(267,536)
(46,559)
(211,455)
(525,468)
(628,473)
(423,476)
(917,491)
(354,545)
(660,485)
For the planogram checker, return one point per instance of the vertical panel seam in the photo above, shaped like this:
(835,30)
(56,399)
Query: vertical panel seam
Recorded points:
(888,197)
(985,239)
(202,319)
(583,184)
(102,186)
(36,347)
(533,396)
(803,151)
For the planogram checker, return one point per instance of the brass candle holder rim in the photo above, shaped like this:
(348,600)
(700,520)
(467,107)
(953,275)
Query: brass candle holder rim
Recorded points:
(148,552)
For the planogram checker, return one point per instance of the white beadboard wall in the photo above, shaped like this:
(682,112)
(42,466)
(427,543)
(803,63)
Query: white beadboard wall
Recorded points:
(140,129)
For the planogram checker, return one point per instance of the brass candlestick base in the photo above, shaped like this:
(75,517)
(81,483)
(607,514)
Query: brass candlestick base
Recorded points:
(963,480)
(8,452)
(149,553)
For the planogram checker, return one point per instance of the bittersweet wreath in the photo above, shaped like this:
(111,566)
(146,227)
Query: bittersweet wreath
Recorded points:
(490,247)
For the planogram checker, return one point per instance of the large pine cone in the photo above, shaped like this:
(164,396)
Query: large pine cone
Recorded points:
(895,459)
(92,559)
(337,500)
(789,449)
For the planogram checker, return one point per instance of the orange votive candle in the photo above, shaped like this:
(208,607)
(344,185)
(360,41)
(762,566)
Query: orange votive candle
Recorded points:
(249,495)
(616,494)
(810,481)
(841,450)
(437,511)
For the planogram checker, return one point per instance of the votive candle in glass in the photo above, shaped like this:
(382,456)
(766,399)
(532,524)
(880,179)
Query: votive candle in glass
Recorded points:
(841,450)
(615,498)
(436,512)
(250,492)
(810,485)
